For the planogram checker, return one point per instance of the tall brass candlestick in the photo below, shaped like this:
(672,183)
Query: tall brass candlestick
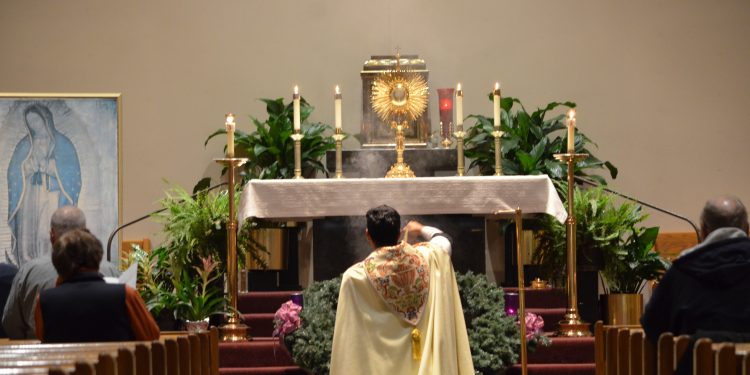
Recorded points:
(572,325)
(233,330)
(459,134)
(338,137)
(521,289)
(297,137)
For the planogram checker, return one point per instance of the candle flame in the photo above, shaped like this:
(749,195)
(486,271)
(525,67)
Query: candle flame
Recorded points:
(296,89)
(230,119)
(572,114)
(338,91)
(497,85)
(458,87)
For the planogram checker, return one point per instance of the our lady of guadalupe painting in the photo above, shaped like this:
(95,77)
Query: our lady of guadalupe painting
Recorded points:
(56,150)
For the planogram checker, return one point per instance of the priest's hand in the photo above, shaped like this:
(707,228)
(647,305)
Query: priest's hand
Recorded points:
(413,229)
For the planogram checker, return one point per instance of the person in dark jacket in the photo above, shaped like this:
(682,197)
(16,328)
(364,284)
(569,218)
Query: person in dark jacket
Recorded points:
(82,307)
(705,292)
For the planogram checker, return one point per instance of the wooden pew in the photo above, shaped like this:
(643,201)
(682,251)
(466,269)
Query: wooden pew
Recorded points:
(622,350)
(175,353)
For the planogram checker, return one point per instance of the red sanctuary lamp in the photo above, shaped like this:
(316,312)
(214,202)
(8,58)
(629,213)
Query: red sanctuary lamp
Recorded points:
(445,101)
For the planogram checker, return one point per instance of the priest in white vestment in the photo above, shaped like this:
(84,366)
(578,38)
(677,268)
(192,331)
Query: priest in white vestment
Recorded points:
(399,311)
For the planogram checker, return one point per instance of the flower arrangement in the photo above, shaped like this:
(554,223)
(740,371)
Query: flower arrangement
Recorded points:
(286,320)
(493,336)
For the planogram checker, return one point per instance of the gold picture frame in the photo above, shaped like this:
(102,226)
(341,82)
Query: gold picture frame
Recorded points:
(57,149)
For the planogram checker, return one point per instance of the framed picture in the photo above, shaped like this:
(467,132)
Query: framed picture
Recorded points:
(57,150)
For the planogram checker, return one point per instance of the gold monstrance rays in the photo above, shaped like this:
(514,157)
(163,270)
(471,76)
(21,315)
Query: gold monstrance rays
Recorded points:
(399,97)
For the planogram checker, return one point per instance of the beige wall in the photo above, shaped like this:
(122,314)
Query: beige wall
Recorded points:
(662,85)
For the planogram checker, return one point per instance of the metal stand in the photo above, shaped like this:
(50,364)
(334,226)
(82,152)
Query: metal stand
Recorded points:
(338,137)
(233,330)
(400,169)
(498,166)
(572,325)
(459,134)
(297,137)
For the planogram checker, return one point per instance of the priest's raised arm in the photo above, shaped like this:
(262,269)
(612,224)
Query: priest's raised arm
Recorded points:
(399,311)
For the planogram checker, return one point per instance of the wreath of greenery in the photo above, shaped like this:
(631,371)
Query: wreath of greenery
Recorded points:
(493,336)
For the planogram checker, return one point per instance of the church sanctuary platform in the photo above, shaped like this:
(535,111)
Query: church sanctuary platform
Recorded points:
(266,355)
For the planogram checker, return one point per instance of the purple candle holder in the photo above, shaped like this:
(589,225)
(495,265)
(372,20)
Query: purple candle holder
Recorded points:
(511,304)
(297,299)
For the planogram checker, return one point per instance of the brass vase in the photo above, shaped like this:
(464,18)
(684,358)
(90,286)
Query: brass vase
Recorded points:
(624,309)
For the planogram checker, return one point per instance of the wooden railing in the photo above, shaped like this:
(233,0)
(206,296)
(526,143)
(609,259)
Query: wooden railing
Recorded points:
(175,353)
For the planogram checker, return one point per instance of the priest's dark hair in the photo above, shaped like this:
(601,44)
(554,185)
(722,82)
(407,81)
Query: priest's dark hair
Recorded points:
(721,212)
(383,225)
(75,251)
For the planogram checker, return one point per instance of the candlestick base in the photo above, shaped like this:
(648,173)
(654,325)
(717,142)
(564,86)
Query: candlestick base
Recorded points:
(573,328)
(446,142)
(235,332)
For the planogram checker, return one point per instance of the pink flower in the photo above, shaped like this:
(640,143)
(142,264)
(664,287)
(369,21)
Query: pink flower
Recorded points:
(286,320)
(534,325)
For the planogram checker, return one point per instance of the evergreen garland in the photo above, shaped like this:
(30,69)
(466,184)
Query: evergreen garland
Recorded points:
(493,336)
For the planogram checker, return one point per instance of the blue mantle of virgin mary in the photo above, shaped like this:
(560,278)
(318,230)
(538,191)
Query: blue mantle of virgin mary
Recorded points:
(64,179)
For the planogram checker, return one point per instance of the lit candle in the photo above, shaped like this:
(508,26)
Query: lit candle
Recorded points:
(571,131)
(459,106)
(496,95)
(295,98)
(337,107)
(229,123)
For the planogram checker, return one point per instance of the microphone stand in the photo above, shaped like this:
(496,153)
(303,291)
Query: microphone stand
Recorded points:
(121,227)
(662,210)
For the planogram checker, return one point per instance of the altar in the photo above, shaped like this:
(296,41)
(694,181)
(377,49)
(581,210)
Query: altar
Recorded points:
(336,208)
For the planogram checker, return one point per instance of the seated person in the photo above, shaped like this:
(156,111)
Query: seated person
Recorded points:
(399,311)
(39,274)
(705,292)
(82,307)
(7,273)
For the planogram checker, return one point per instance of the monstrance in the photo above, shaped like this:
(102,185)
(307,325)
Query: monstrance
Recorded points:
(399,96)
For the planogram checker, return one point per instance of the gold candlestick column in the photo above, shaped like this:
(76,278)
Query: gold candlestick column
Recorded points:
(498,166)
(338,137)
(297,137)
(233,330)
(459,134)
(572,325)
(521,289)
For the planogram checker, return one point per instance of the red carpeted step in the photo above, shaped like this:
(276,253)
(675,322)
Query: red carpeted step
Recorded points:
(551,317)
(556,369)
(543,298)
(565,350)
(262,302)
(261,325)
(261,352)
(285,370)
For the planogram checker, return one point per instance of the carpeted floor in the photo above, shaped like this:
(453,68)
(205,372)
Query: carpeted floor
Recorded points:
(265,355)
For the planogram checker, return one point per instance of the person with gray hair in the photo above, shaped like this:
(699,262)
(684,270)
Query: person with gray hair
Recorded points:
(704,293)
(39,274)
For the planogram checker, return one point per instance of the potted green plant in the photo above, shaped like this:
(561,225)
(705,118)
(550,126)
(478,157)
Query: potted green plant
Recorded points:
(270,153)
(182,278)
(529,142)
(270,149)
(612,233)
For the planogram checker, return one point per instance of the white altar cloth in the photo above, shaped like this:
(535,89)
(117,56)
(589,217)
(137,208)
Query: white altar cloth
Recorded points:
(481,195)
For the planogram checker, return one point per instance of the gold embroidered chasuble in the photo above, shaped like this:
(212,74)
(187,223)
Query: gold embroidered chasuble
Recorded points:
(384,298)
